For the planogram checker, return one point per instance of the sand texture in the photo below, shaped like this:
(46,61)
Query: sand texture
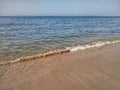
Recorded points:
(93,69)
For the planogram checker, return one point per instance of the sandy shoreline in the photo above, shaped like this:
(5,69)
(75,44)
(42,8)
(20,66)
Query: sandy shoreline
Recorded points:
(94,69)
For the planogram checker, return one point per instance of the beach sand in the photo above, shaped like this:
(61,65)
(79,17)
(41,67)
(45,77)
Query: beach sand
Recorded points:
(90,69)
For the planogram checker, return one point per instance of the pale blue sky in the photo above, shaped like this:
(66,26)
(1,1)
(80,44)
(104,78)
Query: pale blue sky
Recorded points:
(60,7)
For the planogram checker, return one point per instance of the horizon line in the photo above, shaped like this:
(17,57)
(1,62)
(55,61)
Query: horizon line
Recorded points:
(57,16)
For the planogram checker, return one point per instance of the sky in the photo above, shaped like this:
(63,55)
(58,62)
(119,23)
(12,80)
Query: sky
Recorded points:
(59,7)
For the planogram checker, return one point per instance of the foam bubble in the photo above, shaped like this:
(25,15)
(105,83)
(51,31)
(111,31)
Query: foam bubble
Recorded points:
(88,46)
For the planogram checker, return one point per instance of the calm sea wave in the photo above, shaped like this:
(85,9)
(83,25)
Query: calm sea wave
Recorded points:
(24,36)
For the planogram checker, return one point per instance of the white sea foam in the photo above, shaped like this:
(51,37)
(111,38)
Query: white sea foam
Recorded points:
(88,46)
(17,60)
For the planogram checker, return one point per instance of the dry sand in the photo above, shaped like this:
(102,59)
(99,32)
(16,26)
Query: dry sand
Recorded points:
(94,69)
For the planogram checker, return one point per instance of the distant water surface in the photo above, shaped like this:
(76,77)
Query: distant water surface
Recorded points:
(24,36)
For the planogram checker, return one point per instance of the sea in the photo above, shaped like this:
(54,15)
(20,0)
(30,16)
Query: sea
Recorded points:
(22,36)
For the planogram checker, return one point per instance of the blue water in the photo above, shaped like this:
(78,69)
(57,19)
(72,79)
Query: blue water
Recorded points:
(23,36)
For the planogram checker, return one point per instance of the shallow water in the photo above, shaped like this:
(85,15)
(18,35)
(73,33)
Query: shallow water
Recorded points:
(24,36)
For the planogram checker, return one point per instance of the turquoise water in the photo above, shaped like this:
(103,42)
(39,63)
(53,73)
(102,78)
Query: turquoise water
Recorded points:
(24,36)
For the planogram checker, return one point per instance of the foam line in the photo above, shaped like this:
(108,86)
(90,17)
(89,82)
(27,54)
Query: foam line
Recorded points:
(88,46)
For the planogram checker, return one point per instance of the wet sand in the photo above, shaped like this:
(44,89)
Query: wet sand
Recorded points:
(93,69)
